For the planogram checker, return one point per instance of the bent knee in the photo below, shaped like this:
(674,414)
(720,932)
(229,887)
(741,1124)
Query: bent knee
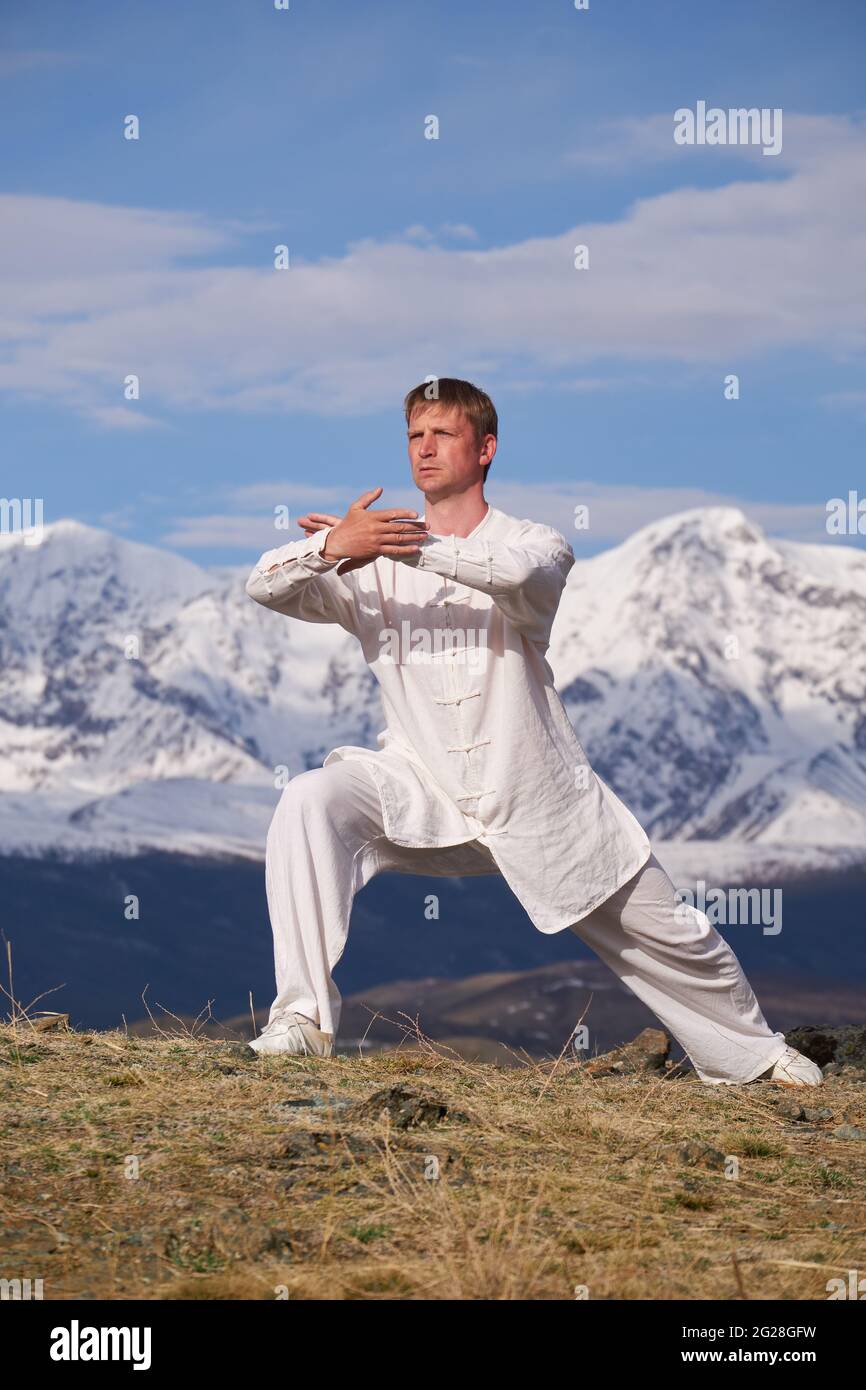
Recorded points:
(320,794)
(307,791)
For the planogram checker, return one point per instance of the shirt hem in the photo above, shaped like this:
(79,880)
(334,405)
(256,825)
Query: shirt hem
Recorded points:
(337,755)
(574,916)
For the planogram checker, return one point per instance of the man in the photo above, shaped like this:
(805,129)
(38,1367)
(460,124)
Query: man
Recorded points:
(478,770)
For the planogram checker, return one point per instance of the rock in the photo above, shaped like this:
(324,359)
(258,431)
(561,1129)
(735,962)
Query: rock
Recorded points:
(683,1070)
(791,1109)
(454,1168)
(405,1108)
(848,1132)
(849,1071)
(843,1044)
(277,1241)
(647,1053)
(694,1152)
(326,1102)
(50,1021)
(305,1144)
(236,1052)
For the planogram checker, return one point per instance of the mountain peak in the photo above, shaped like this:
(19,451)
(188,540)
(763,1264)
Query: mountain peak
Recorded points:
(65,528)
(70,525)
(731,523)
(77,550)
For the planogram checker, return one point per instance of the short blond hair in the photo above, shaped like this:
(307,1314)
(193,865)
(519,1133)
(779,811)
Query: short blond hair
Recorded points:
(451,391)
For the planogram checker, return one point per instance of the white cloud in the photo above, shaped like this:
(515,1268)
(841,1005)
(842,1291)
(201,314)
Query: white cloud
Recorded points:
(120,417)
(228,532)
(688,279)
(79,247)
(615,512)
(418,232)
(615,145)
(460,230)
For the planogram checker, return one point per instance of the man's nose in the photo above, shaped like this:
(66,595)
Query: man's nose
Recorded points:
(428,446)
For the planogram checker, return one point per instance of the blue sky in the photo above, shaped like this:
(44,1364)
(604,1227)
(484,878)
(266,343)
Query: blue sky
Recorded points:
(412,256)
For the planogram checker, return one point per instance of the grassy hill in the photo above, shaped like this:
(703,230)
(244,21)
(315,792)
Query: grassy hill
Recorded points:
(183,1167)
(514,1016)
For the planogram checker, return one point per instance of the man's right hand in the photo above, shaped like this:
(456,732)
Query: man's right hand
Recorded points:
(363,535)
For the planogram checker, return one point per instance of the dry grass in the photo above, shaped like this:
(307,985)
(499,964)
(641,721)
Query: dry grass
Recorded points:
(549,1178)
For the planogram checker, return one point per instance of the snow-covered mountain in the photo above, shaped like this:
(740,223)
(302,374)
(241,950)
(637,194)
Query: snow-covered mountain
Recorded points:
(719,679)
(716,678)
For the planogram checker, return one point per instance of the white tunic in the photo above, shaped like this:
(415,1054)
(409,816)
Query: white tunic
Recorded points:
(478,746)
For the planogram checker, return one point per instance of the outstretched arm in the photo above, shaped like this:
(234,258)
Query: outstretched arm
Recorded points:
(297,580)
(524,576)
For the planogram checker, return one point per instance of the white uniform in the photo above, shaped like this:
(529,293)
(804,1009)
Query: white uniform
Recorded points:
(479,753)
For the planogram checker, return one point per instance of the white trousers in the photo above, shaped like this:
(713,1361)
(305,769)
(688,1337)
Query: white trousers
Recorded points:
(326,840)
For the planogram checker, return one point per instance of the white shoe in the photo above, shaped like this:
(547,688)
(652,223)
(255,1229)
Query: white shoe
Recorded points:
(794,1069)
(293,1033)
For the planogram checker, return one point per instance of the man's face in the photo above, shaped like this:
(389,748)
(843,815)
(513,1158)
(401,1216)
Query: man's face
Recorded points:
(443,451)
